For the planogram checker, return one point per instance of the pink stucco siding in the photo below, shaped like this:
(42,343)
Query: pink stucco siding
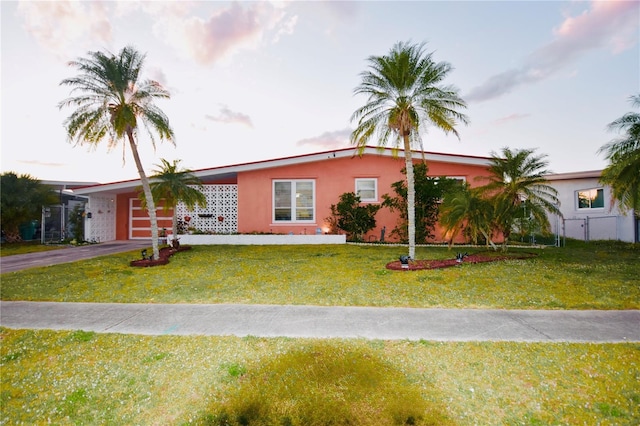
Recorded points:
(332,178)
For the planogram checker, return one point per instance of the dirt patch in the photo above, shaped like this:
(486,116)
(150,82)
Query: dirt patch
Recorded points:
(165,254)
(419,265)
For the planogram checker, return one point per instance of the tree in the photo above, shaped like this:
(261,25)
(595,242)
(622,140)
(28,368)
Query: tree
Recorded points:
(110,101)
(517,176)
(465,209)
(173,185)
(428,193)
(623,154)
(405,94)
(76,222)
(352,217)
(22,198)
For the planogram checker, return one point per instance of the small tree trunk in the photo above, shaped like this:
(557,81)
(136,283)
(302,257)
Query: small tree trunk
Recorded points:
(151,205)
(411,198)
(174,222)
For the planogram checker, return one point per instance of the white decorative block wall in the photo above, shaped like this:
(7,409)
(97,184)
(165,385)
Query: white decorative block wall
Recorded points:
(102,224)
(219,216)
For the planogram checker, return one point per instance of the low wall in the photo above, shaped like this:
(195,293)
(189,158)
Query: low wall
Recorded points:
(247,239)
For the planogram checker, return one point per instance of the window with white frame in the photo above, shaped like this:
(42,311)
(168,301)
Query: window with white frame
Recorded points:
(460,179)
(591,198)
(367,189)
(293,200)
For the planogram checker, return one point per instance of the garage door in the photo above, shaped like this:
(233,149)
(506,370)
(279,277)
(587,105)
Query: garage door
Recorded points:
(139,222)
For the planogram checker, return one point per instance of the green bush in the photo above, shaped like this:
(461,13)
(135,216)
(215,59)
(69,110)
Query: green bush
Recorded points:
(324,384)
(352,217)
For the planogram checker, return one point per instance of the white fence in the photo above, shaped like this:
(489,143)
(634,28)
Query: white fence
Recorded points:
(593,228)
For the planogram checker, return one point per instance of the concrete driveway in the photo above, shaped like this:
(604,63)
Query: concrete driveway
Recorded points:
(68,254)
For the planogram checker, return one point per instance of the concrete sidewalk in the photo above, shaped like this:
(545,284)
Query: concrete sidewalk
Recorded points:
(327,322)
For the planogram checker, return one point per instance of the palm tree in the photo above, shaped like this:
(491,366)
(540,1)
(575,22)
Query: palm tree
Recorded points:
(173,185)
(516,177)
(404,94)
(465,208)
(110,99)
(623,153)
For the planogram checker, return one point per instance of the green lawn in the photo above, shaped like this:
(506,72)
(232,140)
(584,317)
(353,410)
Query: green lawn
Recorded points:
(597,276)
(77,377)
(10,249)
(87,378)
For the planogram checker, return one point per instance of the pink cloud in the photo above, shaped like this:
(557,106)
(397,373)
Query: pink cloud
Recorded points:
(241,25)
(606,24)
(228,116)
(329,140)
(63,26)
(510,118)
(610,23)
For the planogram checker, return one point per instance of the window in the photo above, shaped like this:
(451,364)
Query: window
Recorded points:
(293,201)
(460,179)
(367,189)
(591,198)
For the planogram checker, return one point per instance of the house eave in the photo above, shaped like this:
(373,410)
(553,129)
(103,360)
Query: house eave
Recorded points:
(574,175)
(233,170)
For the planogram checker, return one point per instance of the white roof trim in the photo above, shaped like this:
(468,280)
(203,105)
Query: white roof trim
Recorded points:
(575,175)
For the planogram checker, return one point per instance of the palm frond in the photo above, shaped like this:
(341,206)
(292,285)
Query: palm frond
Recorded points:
(623,153)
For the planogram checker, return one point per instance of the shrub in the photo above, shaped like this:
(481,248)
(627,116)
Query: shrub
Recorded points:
(429,192)
(352,217)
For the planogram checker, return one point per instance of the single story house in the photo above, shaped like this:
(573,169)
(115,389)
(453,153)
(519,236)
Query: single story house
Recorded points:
(589,211)
(289,195)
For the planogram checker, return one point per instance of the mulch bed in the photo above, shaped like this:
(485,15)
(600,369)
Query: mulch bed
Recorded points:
(165,254)
(419,265)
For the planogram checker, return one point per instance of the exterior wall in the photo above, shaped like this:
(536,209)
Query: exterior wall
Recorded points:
(219,216)
(101,226)
(261,239)
(128,222)
(606,223)
(220,181)
(332,178)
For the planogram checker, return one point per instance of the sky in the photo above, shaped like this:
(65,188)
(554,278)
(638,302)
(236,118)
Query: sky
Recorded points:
(252,81)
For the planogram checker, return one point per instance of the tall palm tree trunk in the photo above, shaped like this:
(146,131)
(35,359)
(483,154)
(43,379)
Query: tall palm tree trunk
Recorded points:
(411,198)
(151,205)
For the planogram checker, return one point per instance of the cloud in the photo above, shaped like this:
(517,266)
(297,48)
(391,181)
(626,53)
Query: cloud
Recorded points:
(42,163)
(329,140)
(227,116)
(64,26)
(241,25)
(287,28)
(510,118)
(158,75)
(606,24)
